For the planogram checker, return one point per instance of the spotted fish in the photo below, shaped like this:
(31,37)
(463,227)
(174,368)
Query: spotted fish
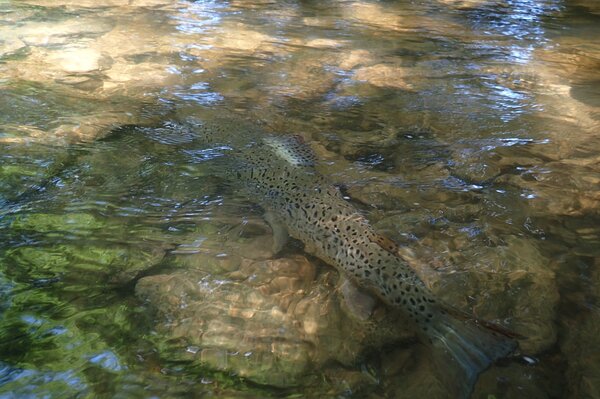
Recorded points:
(279,173)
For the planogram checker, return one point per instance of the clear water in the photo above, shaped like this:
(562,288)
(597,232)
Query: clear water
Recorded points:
(466,130)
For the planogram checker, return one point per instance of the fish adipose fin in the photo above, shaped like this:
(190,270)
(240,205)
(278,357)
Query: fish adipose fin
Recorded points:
(293,149)
(472,345)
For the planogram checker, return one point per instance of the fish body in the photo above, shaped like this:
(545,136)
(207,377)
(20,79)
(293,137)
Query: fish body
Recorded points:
(280,174)
(315,212)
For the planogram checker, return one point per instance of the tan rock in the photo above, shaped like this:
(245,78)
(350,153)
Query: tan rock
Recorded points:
(74,4)
(131,78)
(10,44)
(138,37)
(150,3)
(240,38)
(78,67)
(466,4)
(302,77)
(318,21)
(91,127)
(69,30)
(23,134)
(76,60)
(324,43)
(374,15)
(355,58)
(272,321)
(385,76)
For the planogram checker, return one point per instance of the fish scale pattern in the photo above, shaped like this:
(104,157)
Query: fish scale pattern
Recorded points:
(315,212)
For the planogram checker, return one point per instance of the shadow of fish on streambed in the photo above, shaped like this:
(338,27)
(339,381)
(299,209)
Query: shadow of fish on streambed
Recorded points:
(279,173)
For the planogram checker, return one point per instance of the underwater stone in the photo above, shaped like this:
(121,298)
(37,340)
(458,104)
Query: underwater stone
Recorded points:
(520,381)
(510,278)
(382,75)
(240,38)
(324,43)
(72,255)
(73,4)
(355,58)
(581,345)
(76,60)
(61,32)
(273,321)
(10,45)
(374,15)
(135,78)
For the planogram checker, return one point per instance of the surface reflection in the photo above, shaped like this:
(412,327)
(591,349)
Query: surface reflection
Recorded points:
(465,130)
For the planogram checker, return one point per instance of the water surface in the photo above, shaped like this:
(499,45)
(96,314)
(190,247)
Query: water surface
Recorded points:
(465,130)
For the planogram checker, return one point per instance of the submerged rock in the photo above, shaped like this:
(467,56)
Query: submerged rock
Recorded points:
(216,252)
(27,161)
(67,248)
(137,78)
(76,60)
(320,21)
(138,39)
(73,65)
(529,379)
(458,251)
(10,44)
(512,281)
(374,15)
(355,58)
(324,43)
(579,194)
(591,5)
(272,321)
(409,372)
(70,30)
(384,76)
(71,4)
(240,38)
(581,346)
(469,4)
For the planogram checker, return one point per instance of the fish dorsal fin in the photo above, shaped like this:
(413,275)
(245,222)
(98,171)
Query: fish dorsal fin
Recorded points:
(293,149)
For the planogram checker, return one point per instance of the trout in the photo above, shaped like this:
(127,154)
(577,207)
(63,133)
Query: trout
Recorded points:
(278,172)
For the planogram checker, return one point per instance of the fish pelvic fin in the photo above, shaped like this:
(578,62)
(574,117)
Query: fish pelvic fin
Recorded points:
(280,233)
(465,347)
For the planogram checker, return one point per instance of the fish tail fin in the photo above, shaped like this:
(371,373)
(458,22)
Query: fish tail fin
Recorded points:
(472,345)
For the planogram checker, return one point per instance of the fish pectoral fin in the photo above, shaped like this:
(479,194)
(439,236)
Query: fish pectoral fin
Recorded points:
(280,233)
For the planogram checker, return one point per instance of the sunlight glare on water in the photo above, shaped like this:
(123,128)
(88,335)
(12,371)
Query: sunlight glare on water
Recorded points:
(467,131)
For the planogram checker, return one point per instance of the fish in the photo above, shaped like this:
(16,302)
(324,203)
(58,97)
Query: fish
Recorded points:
(279,173)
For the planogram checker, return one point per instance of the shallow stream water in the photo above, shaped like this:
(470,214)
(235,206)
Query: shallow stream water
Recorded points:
(468,131)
